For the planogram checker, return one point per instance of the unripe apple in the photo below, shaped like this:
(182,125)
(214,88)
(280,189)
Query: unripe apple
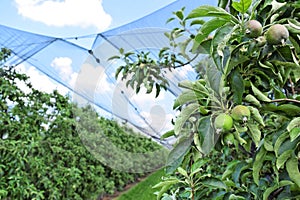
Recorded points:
(253,28)
(240,113)
(223,123)
(277,34)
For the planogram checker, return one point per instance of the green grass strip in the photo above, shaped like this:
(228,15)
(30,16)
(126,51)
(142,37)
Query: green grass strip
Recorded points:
(143,190)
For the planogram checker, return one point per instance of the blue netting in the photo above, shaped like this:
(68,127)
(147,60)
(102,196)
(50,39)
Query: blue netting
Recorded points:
(90,76)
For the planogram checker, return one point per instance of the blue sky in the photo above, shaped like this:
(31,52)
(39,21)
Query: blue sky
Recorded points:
(97,15)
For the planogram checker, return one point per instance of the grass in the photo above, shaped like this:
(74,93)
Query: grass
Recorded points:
(143,190)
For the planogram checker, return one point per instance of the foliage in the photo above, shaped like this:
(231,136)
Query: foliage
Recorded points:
(42,155)
(259,157)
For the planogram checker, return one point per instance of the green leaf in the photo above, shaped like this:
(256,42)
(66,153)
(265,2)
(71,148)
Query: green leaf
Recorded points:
(258,163)
(255,133)
(276,5)
(196,22)
(295,24)
(209,27)
(259,95)
(269,190)
(253,100)
(293,124)
(287,145)
(283,158)
(121,50)
(197,166)
(210,11)
(238,87)
(177,154)
(219,39)
(114,57)
(293,170)
(279,141)
(203,47)
(179,14)
(294,134)
(236,57)
(215,79)
(197,142)
(194,86)
(184,116)
(229,169)
(237,172)
(241,6)
(170,20)
(199,86)
(206,134)
(185,97)
(214,183)
(268,143)
(236,197)
(290,109)
(168,134)
(256,115)
(157,87)
(118,71)
(170,181)
(237,135)
(165,185)
(182,172)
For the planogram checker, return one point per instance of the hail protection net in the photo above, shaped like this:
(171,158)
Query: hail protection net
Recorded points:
(87,76)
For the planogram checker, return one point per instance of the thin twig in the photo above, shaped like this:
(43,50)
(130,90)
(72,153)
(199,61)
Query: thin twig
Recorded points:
(285,99)
(292,86)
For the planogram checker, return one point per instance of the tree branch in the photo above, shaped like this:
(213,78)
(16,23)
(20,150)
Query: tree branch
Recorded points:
(286,99)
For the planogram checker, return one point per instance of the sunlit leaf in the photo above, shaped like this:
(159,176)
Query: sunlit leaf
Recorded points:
(184,117)
(214,183)
(242,6)
(280,161)
(256,115)
(294,133)
(294,123)
(209,11)
(208,27)
(258,163)
(252,99)
(293,170)
(168,134)
(259,95)
(255,133)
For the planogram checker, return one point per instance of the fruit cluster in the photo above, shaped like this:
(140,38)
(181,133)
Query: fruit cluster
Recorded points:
(224,122)
(275,35)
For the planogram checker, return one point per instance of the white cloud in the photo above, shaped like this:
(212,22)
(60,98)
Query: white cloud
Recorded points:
(83,13)
(39,81)
(64,66)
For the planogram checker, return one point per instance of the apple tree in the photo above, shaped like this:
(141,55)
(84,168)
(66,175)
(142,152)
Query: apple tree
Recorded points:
(241,118)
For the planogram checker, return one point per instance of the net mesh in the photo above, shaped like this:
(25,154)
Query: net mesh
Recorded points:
(87,74)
